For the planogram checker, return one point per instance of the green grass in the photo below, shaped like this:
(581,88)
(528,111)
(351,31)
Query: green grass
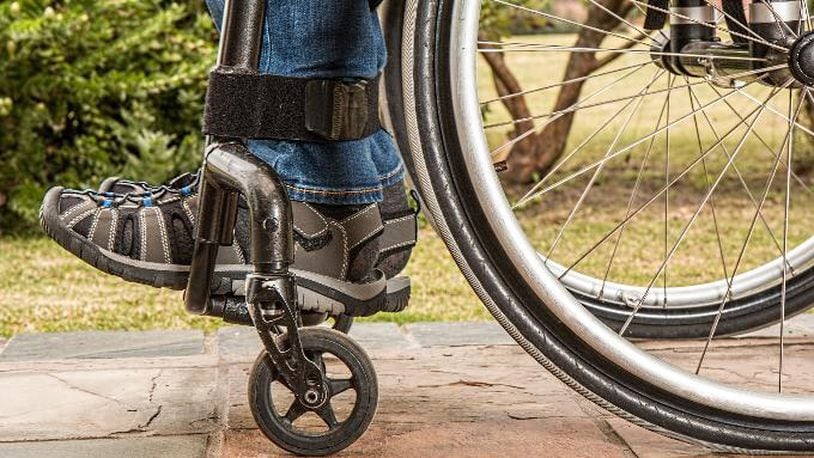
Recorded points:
(46,289)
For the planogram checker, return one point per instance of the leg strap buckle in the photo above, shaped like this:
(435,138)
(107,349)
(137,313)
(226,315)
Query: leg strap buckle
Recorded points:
(337,110)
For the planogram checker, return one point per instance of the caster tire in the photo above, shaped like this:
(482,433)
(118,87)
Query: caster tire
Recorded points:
(316,431)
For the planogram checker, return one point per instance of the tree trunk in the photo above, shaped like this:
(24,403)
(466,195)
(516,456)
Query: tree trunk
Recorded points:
(537,152)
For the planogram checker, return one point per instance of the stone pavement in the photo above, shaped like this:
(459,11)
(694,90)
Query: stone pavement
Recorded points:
(446,389)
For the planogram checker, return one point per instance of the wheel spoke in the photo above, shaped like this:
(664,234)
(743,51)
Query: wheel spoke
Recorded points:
(747,239)
(658,194)
(804,8)
(667,190)
(568,21)
(538,189)
(535,48)
(615,100)
(295,411)
(687,227)
(718,237)
(582,144)
(757,38)
(562,83)
(778,21)
(625,21)
(340,385)
(740,176)
(762,41)
(787,198)
(598,170)
(326,413)
(797,125)
(640,5)
(782,116)
(596,93)
(633,194)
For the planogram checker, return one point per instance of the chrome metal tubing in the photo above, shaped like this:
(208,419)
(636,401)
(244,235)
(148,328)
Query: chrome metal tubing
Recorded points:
(724,59)
(230,169)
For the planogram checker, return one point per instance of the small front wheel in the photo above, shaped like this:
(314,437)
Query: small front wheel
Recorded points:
(338,422)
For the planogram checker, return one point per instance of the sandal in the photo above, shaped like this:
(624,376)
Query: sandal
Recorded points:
(147,238)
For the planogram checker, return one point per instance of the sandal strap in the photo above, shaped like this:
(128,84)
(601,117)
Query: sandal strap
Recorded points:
(399,233)
(308,222)
(357,228)
(362,225)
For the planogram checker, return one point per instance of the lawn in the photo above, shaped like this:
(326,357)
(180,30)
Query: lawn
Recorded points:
(44,288)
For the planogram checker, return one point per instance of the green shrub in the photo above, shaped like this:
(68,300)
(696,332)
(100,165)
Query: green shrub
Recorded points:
(92,88)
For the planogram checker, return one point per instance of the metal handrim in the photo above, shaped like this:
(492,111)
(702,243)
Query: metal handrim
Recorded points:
(546,286)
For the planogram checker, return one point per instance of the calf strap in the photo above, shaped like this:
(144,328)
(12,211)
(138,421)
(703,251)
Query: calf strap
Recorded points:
(259,106)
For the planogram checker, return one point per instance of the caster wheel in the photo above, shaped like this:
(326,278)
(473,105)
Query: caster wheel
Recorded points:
(342,323)
(350,403)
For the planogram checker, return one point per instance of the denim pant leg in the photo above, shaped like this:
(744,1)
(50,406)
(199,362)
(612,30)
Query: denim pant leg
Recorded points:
(326,39)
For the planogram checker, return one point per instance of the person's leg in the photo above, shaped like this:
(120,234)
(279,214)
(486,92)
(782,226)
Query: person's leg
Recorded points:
(337,39)
(147,237)
(331,40)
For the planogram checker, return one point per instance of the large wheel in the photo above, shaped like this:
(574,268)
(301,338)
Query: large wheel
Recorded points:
(473,214)
(683,299)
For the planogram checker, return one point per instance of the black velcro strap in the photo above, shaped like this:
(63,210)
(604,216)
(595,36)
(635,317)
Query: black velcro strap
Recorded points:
(251,105)
(736,20)
(656,18)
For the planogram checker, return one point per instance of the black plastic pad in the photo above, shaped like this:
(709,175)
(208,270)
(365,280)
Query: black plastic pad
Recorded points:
(257,106)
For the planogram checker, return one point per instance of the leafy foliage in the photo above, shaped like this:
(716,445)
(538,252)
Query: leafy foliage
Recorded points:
(499,21)
(94,88)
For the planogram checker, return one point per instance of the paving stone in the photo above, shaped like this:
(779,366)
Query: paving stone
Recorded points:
(238,343)
(455,402)
(104,403)
(137,447)
(103,345)
(471,396)
(241,343)
(458,334)
(380,336)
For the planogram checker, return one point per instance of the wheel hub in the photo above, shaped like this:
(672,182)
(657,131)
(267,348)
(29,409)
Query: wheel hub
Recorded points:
(801,59)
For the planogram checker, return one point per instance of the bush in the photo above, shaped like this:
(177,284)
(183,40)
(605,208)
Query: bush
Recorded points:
(93,88)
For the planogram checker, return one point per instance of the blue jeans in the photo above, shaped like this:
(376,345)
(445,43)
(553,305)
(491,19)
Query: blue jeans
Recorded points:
(326,39)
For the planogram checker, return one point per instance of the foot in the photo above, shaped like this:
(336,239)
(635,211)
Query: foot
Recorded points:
(148,238)
(396,243)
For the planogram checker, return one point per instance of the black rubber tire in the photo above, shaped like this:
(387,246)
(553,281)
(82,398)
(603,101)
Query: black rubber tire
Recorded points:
(323,340)
(755,311)
(747,313)
(525,316)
